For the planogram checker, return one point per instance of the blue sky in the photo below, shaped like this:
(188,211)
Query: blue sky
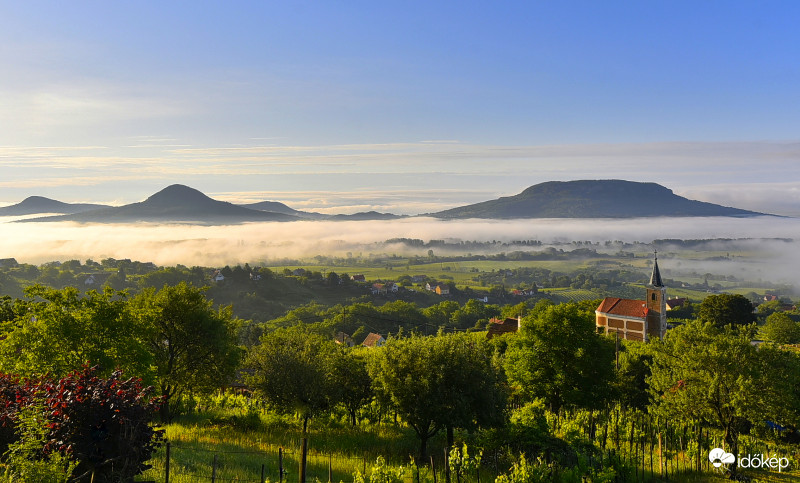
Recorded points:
(398,106)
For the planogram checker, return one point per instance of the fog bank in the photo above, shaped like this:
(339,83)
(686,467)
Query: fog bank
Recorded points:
(261,242)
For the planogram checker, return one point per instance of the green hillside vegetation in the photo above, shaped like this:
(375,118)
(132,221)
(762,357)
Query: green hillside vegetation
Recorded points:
(248,364)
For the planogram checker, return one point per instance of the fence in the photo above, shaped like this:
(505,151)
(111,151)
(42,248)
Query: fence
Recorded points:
(645,447)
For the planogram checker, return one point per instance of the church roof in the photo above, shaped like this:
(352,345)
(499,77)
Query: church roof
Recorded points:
(623,307)
(655,278)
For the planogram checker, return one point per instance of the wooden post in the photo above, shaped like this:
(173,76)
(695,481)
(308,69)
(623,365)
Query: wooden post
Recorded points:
(446,466)
(433,469)
(330,469)
(166,465)
(303,452)
(280,465)
(262,472)
(214,469)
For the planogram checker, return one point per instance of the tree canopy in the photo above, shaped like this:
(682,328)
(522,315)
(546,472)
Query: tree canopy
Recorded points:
(435,383)
(193,346)
(724,309)
(558,357)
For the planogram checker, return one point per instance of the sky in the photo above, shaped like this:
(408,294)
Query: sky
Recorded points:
(408,107)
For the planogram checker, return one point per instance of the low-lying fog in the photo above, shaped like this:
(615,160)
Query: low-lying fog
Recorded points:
(261,242)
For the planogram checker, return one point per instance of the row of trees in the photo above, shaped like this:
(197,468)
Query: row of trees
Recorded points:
(702,373)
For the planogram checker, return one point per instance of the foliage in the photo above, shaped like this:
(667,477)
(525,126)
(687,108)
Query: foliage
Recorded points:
(350,380)
(193,346)
(439,382)
(102,424)
(780,328)
(558,357)
(25,460)
(461,463)
(703,373)
(725,309)
(631,381)
(62,329)
(291,369)
(381,473)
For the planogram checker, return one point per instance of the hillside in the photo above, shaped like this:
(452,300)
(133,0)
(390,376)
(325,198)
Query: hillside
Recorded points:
(592,199)
(278,207)
(39,204)
(175,203)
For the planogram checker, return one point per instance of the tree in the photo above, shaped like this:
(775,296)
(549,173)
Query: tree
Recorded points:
(781,328)
(442,382)
(724,309)
(60,330)
(350,379)
(291,369)
(558,357)
(701,373)
(193,346)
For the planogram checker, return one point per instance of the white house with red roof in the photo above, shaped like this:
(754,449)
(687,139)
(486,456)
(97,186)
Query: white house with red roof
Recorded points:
(640,320)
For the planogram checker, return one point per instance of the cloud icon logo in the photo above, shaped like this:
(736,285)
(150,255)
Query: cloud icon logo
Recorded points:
(718,457)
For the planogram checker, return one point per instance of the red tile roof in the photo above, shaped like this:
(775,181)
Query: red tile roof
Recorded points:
(373,340)
(623,307)
(500,327)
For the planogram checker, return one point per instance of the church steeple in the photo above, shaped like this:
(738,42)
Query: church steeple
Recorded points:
(656,303)
(655,278)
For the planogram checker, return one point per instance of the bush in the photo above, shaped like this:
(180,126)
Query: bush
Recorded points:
(102,424)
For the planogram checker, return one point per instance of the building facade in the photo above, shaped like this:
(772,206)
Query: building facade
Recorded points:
(640,320)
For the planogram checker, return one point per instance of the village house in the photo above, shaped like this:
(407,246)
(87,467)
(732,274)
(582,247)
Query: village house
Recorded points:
(675,303)
(344,339)
(96,279)
(640,320)
(358,278)
(499,327)
(374,340)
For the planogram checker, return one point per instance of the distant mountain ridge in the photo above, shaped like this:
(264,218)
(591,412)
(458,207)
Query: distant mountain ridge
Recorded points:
(552,199)
(39,204)
(592,199)
(175,203)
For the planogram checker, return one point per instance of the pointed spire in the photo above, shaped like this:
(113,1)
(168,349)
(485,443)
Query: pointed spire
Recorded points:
(655,278)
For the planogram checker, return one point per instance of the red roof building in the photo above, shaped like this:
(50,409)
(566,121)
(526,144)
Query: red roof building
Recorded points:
(640,320)
(499,327)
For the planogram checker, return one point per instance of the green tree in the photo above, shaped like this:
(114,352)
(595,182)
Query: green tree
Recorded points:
(724,309)
(558,357)
(781,328)
(442,382)
(61,330)
(291,369)
(701,373)
(193,346)
(350,378)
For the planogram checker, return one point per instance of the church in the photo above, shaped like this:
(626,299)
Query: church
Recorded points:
(640,320)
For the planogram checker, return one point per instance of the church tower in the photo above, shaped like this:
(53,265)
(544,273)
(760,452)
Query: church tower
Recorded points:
(656,304)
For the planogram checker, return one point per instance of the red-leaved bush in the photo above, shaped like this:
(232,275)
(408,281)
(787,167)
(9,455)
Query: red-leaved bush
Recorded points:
(103,423)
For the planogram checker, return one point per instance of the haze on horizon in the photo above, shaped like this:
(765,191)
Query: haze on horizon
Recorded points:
(407,107)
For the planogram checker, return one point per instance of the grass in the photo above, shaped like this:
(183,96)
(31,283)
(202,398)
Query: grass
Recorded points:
(243,442)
